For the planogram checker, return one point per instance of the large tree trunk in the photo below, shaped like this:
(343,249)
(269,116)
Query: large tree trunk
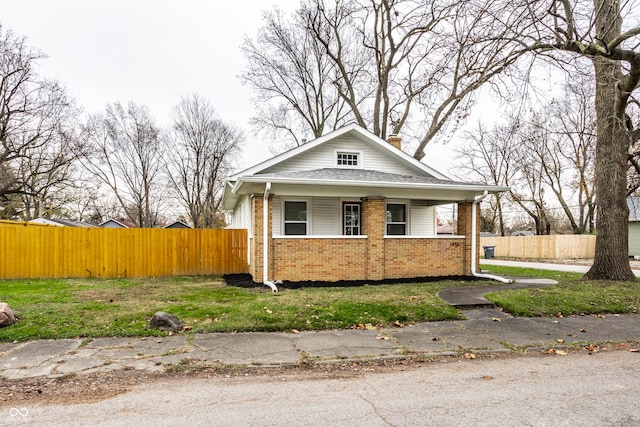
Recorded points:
(612,252)
(612,236)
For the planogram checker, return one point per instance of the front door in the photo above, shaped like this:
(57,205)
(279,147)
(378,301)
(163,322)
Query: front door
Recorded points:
(351,219)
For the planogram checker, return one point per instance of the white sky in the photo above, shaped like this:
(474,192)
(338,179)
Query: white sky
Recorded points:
(152,52)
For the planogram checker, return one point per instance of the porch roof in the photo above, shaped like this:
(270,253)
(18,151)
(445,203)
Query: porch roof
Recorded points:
(360,178)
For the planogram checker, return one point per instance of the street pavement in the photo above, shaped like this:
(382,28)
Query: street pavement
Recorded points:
(486,329)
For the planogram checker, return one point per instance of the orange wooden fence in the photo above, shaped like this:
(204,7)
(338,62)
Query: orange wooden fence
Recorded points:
(33,251)
(556,246)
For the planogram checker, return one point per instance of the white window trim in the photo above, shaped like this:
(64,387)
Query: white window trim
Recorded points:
(283,214)
(357,152)
(407,215)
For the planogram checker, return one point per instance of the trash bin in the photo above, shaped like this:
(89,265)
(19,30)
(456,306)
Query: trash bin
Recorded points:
(488,251)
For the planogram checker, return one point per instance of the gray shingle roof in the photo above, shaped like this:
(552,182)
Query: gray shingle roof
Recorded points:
(362,175)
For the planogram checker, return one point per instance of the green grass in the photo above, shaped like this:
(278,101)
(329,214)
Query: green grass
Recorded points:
(69,308)
(571,295)
(87,308)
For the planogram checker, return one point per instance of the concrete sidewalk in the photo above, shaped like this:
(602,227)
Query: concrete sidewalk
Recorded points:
(572,268)
(487,330)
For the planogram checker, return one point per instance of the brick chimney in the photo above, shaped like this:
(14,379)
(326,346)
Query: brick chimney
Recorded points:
(396,141)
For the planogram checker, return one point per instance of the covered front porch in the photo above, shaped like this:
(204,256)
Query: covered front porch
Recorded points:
(372,254)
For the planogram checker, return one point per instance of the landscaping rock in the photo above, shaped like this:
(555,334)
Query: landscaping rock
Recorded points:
(162,320)
(6,315)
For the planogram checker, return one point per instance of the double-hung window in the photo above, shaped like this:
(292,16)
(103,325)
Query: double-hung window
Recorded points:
(296,218)
(396,219)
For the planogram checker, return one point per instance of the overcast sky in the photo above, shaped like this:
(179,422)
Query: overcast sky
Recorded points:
(152,52)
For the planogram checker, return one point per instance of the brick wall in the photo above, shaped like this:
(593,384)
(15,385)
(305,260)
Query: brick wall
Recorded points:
(464,227)
(373,224)
(331,260)
(423,257)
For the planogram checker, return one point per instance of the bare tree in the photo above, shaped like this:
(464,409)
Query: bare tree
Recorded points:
(546,154)
(291,76)
(488,157)
(202,150)
(396,64)
(125,151)
(35,120)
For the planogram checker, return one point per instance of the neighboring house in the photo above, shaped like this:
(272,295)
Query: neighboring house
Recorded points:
(58,222)
(352,206)
(177,224)
(117,223)
(634,226)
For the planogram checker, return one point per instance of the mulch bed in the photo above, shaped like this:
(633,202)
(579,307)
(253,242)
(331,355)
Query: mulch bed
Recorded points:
(246,281)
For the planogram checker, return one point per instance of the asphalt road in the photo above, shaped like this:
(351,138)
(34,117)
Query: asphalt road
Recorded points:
(579,389)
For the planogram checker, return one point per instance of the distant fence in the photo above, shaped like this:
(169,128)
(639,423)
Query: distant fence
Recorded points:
(32,251)
(543,247)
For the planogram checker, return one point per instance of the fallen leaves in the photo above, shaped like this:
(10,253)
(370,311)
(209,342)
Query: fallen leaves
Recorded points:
(469,356)
(560,341)
(496,319)
(592,348)
(556,351)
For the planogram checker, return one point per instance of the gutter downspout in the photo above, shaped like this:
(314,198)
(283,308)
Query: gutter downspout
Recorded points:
(474,244)
(265,238)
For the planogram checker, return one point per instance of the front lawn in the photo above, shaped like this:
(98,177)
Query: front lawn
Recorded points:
(570,296)
(68,308)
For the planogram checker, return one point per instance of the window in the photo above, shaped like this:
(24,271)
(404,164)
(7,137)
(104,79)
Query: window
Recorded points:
(396,219)
(348,159)
(295,218)
(351,219)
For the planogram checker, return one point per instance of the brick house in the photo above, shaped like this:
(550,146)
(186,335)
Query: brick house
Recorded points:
(352,206)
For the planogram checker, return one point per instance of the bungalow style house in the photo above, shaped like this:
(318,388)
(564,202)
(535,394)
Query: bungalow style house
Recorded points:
(352,206)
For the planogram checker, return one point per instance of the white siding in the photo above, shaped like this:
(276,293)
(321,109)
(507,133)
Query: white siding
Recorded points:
(241,217)
(326,217)
(423,219)
(276,217)
(323,156)
(634,239)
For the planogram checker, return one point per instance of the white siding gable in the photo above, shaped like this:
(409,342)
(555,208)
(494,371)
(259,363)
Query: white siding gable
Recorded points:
(324,156)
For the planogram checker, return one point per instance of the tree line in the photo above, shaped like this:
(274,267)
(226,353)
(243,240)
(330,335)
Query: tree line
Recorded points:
(117,163)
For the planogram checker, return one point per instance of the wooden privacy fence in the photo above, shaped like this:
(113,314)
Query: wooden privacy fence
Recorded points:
(559,246)
(31,251)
